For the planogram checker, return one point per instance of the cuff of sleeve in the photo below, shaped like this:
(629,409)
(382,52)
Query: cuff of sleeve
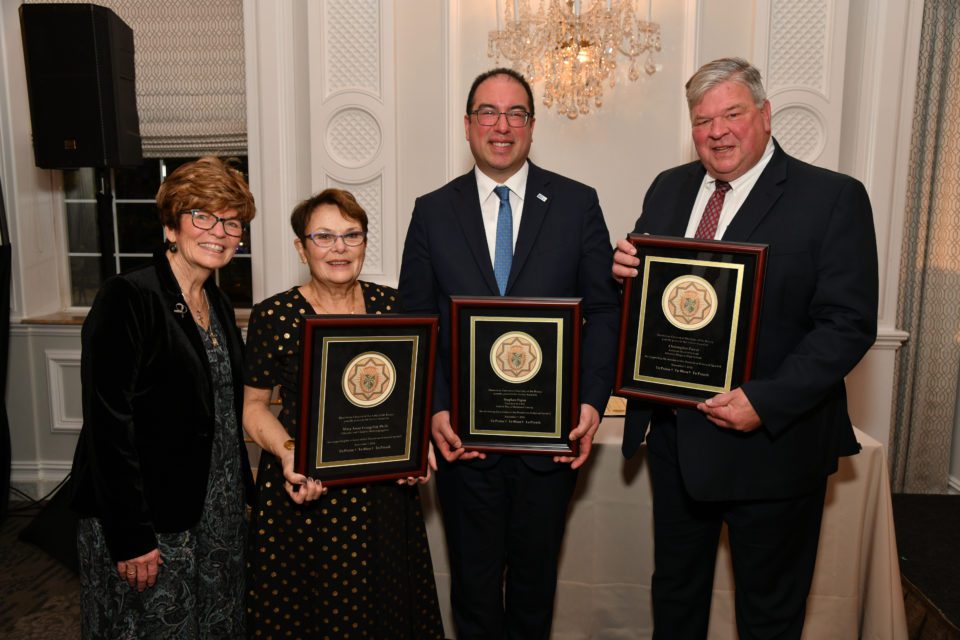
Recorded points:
(129,542)
(754,392)
(598,402)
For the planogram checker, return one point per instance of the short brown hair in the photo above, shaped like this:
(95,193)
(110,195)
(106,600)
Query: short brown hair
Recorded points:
(207,183)
(341,199)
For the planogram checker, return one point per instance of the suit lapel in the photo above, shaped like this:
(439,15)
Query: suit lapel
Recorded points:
(677,223)
(765,193)
(466,207)
(662,220)
(534,212)
(181,312)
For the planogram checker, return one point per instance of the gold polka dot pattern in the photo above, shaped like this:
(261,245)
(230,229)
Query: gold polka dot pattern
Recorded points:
(353,564)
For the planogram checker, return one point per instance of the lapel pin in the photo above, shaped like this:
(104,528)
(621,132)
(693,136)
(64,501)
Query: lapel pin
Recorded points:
(541,197)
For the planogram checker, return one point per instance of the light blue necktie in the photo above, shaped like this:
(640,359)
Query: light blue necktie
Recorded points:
(503,250)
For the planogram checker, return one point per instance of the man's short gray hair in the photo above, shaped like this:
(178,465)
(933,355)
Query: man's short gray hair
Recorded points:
(724,70)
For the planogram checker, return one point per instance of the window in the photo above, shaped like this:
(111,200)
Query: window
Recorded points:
(136,230)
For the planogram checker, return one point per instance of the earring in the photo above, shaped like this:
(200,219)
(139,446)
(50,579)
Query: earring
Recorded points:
(173,247)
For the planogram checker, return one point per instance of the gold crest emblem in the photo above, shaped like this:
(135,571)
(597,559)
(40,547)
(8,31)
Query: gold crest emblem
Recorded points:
(689,302)
(516,357)
(369,379)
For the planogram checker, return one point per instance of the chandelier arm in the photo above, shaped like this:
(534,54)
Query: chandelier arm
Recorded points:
(574,54)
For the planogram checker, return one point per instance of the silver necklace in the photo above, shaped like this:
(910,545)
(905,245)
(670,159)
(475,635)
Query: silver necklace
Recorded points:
(208,320)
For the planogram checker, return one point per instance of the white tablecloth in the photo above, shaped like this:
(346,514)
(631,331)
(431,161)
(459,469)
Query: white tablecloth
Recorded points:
(607,559)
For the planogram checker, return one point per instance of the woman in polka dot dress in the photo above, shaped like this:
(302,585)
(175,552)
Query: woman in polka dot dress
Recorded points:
(338,562)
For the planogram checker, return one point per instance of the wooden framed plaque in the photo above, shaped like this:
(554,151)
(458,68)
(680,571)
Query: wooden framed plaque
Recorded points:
(365,384)
(688,326)
(515,372)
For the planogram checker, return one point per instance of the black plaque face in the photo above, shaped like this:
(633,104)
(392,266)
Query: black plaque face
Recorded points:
(515,373)
(689,319)
(365,397)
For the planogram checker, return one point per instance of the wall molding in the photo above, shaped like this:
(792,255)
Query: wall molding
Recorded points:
(689,57)
(45,330)
(882,62)
(453,77)
(277,154)
(38,478)
(799,48)
(890,339)
(40,470)
(58,362)
(353,116)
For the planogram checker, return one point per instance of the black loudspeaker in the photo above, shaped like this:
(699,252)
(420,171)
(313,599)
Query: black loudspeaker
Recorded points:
(81,85)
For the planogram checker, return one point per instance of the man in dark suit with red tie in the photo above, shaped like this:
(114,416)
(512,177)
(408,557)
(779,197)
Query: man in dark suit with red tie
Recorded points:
(510,228)
(758,457)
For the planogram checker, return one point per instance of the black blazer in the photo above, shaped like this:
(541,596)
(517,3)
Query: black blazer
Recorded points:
(819,318)
(143,456)
(562,250)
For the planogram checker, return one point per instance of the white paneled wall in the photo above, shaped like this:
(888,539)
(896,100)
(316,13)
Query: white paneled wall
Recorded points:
(353,121)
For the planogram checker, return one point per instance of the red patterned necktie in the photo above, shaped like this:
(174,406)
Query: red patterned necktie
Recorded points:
(711,215)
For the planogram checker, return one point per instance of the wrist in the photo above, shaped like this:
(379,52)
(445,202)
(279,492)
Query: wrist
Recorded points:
(286,449)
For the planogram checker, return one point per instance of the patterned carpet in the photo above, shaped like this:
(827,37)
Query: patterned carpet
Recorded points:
(39,596)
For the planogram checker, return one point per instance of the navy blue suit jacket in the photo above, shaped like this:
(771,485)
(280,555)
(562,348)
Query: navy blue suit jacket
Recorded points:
(819,317)
(562,250)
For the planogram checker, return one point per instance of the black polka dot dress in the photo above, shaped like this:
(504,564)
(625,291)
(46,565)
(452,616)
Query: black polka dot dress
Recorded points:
(353,564)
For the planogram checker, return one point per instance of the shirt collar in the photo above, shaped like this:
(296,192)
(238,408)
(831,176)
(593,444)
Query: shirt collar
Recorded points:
(517,182)
(752,174)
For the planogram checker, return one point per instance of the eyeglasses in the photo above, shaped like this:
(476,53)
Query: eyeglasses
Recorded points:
(206,221)
(325,239)
(489,117)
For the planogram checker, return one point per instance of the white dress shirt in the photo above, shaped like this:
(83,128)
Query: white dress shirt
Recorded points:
(739,190)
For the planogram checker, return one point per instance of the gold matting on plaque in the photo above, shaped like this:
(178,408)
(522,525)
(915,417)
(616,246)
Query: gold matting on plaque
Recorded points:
(686,305)
(354,367)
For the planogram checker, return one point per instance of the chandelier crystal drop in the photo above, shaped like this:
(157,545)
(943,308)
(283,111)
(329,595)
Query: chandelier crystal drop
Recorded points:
(574,49)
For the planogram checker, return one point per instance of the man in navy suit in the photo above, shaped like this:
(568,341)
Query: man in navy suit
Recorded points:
(757,457)
(504,515)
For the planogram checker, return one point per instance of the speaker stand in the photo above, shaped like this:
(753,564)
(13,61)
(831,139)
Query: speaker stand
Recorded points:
(108,266)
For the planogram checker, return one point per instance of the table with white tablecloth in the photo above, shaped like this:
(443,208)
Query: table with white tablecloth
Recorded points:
(607,558)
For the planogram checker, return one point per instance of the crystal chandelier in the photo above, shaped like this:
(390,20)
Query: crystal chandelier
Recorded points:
(573,50)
